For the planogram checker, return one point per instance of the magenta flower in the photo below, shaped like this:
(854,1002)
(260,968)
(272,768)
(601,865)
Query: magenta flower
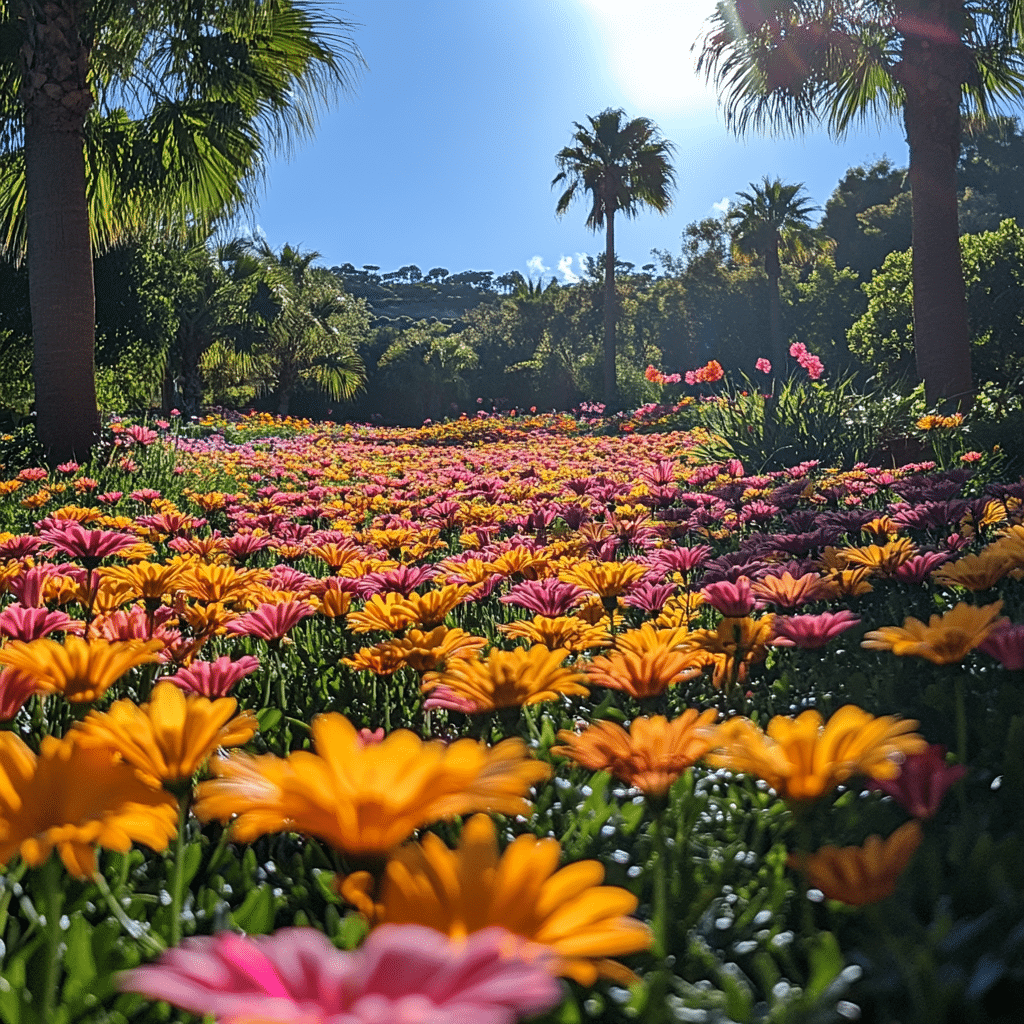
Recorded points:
(683,560)
(550,597)
(403,974)
(731,599)
(20,623)
(811,631)
(270,622)
(1006,644)
(918,568)
(445,697)
(214,678)
(922,781)
(15,688)
(74,540)
(763,365)
(20,546)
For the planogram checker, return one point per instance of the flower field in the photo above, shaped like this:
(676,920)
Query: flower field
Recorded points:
(502,718)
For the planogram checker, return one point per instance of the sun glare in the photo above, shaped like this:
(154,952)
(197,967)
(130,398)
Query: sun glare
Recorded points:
(649,52)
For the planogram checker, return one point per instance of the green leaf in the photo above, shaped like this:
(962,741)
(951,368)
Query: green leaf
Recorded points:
(826,963)
(256,914)
(739,1001)
(268,718)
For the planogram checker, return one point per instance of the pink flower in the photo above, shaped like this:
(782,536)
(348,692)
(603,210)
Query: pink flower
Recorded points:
(32,474)
(405,974)
(370,737)
(731,599)
(20,623)
(68,467)
(763,365)
(798,350)
(919,567)
(270,621)
(1006,644)
(143,435)
(814,367)
(810,631)
(73,539)
(550,597)
(214,678)
(445,697)
(15,688)
(922,782)
(690,377)
(970,457)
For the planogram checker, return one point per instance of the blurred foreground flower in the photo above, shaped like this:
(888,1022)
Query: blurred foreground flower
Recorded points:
(73,798)
(946,638)
(81,670)
(802,758)
(922,781)
(167,739)
(463,891)
(651,756)
(365,800)
(859,875)
(403,974)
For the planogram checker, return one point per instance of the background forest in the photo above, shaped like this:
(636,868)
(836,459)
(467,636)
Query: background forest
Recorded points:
(235,323)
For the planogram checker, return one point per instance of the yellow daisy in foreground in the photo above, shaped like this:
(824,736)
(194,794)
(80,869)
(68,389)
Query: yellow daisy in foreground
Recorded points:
(81,670)
(509,679)
(946,639)
(365,799)
(858,875)
(73,798)
(168,739)
(802,758)
(460,891)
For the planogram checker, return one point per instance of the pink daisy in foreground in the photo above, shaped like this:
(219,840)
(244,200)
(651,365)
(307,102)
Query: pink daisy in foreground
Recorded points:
(403,974)
(213,678)
(811,630)
(270,622)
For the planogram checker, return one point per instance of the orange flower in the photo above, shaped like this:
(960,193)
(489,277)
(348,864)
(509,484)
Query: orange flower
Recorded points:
(858,875)
(563,632)
(473,887)
(168,739)
(785,591)
(508,679)
(606,579)
(651,756)
(522,562)
(429,651)
(732,646)
(884,558)
(801,759)
(81,670)
(430,609)
(73,798)
(365,800)
(975,572)
(946,639)
(645,674)
(390,612)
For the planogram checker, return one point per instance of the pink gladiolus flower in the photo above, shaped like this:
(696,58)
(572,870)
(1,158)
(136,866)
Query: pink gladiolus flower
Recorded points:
(763,365)
(406,974)
(810,631)
(690,377)
(922,782)
(213,678)
(1006,644)
(20,623)
(731,599)
(270,621)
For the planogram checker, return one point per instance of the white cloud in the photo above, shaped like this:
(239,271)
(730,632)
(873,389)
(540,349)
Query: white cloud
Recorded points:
(565,269)
(723,206)
(535,265)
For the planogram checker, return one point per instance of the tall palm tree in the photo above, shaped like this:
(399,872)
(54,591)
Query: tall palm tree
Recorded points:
(112,105)
(783,64)
(623,166)
(774,217)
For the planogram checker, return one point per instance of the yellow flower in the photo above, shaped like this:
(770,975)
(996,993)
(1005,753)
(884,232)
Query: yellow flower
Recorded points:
(147,580)
(974,572)
(946,638)
(460,891)
(381,659)
(883,558)
(651,756)
(168,739)
(81,670)
(851,582)
(733,645)
(649,638)
(430,609)
(390,612)
(858,875)
(509,679)
(644,674)
(365,800)
(606,579)
(428,651)
(801,758)
(521,561)
(73,798)
(563,632)
(221,584)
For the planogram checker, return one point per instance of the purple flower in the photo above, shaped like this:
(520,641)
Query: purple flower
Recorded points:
(922,782)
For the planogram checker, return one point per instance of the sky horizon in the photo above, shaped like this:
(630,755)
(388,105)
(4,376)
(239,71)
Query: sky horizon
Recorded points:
(444,152)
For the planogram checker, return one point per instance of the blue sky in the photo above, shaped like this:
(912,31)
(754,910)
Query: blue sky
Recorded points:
(443,155)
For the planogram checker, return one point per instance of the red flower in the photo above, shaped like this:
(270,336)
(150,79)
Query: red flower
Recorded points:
(922,782)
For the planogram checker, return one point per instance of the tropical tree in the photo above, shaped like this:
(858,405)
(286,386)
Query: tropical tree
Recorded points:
(115,114)
(771,219)
(783,64)
(313,336)
(623,165)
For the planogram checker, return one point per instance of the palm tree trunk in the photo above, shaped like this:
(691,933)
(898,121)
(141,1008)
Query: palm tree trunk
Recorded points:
(56,99)
(932,77)
(777,342)
(611,390)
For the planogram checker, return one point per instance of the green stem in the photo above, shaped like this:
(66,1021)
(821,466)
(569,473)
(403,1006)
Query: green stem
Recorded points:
(177,883)
(803,839)
(660,899)
(53,901)
(10,879)
(135,929)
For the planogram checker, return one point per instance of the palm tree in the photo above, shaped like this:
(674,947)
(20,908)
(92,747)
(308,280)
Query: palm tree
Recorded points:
(623,166)
(771,218)
(210,87)
(784,64)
